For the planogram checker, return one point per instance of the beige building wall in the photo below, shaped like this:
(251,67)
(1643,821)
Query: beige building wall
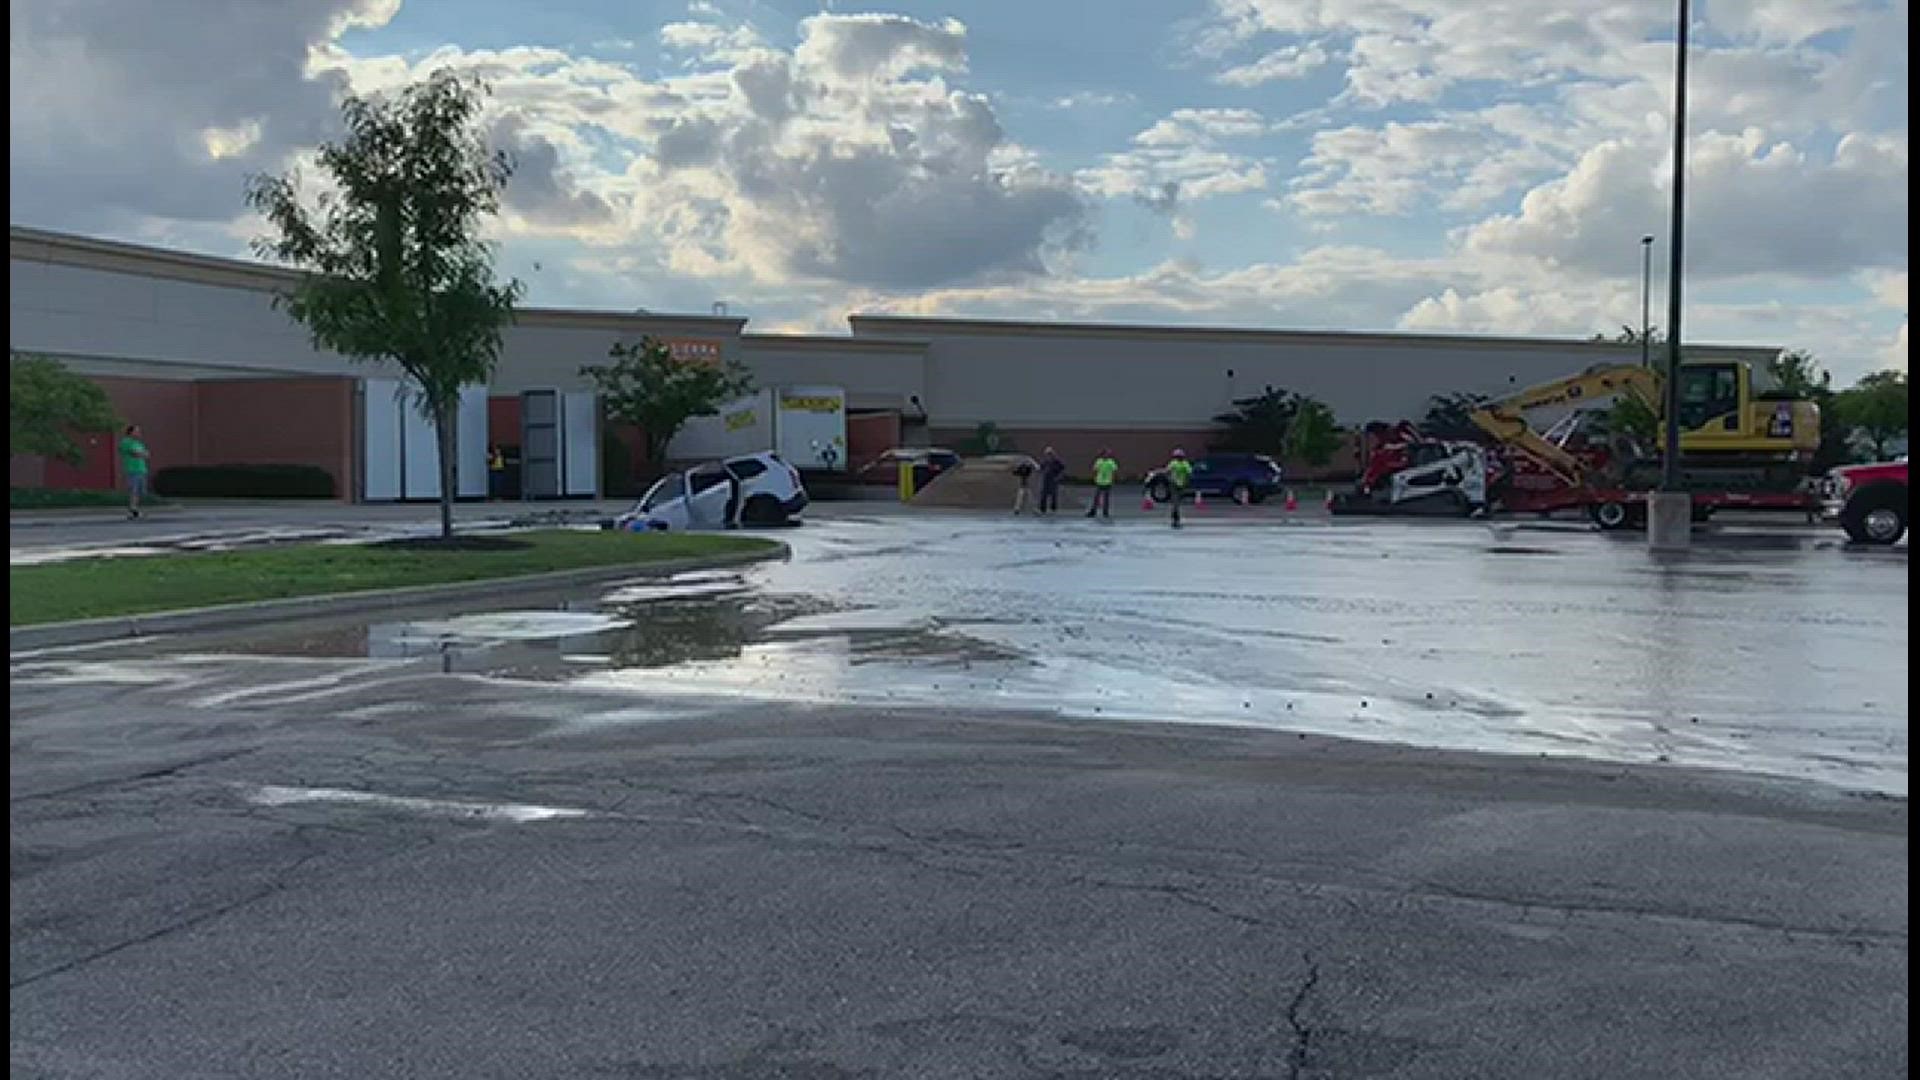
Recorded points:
(1055,377)
(877,373)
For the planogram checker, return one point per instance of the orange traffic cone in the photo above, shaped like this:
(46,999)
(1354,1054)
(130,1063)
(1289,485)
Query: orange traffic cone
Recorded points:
(1199,502)
(1292,503)
(1146,502)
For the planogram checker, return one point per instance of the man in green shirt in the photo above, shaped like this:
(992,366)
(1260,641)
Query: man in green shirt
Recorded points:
(133,466)
(1104,471)
(1179,475)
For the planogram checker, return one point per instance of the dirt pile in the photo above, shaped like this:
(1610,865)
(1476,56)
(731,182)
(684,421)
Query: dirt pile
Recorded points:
(982,483)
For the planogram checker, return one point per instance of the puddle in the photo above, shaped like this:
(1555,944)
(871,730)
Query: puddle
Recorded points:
(1779,662)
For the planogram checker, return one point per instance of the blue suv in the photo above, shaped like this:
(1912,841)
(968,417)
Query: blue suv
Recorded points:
(1244,478)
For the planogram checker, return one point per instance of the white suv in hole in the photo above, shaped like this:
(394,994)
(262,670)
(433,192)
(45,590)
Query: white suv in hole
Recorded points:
(754,489)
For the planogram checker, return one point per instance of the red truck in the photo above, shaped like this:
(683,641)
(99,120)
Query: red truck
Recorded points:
(1869,501)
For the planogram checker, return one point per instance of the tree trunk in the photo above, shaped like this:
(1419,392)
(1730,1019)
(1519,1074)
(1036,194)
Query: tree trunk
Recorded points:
(445,417)
(657,454)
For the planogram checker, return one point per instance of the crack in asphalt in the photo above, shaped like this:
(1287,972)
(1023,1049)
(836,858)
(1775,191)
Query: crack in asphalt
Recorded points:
(1302,1034)
(150,774)
(1004,852)
(279,884)
(1185,894)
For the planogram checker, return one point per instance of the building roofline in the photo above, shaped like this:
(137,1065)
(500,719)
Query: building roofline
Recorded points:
(69,249)
(835,342)
(589,319)
(929,325)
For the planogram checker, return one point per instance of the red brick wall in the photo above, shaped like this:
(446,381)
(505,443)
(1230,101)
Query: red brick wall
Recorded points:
(162,408)
(300,421)
(26,470)
(869,435)
(503,420)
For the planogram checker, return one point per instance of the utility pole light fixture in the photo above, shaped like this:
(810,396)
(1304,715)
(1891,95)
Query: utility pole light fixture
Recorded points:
(1646,296)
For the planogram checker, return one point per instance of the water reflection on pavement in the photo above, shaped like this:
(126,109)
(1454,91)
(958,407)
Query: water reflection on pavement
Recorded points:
(1774,654)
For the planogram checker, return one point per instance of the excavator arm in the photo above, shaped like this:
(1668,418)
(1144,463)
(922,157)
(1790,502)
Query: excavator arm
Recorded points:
(1506,419)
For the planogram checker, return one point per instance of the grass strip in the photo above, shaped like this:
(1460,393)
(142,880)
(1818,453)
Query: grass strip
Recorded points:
(96,588)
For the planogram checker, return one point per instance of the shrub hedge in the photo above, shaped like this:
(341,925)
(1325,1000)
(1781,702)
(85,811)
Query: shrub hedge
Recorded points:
(245,481)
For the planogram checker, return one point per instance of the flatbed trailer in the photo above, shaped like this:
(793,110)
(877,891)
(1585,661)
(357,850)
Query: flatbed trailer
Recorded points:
(1616,508)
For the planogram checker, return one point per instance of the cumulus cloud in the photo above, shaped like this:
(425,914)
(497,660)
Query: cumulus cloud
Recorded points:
(855,161)
(1329,287)
(848,158)
(1754,207)
(1399,168)
(880,46)
(1290,62)
(1090,99)
(851,159)
(162,109)
(1180,159)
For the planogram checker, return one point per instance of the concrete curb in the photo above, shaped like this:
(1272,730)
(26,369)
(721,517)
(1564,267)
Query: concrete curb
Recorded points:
(229,616)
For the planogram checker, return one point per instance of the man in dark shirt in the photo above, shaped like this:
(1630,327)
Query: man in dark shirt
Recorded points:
(1052,470)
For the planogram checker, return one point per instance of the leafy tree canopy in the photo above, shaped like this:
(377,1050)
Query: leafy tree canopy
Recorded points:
(396,269)
(47,404)
(649,386)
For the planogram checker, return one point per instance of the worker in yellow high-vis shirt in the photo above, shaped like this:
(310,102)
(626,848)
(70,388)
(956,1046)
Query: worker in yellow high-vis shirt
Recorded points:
(1105,469)
(1179,476)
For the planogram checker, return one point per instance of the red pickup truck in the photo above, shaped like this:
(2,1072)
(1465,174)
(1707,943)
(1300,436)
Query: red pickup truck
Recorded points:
(1870,501)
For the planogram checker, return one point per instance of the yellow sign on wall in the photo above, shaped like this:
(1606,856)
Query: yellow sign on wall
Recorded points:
(811,404)
(741,419)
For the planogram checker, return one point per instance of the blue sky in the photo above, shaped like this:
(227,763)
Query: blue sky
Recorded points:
(1414,164)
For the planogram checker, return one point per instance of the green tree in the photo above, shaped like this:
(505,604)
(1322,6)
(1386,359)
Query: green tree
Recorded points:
(1635,419)
(649,387)
(986,439)
(47,404)
(395,268)
(1876,408)
(1312,436)
(1258,424)
(1281,423)
(1796,375)
(1449,416)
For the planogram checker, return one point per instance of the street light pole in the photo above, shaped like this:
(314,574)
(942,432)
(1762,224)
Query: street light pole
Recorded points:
(1670,461)
(1646,295)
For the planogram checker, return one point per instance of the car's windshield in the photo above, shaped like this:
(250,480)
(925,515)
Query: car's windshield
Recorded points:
(668,487)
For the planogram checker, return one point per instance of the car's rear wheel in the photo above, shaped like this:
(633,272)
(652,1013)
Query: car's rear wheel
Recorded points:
(1877,515)
(763,510)
(1159,491)
(1242,493)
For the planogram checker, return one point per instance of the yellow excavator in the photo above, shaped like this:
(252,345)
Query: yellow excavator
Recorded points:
(1731,433)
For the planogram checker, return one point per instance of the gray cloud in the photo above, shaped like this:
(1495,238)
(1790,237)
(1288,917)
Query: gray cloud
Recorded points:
(541,189)
(126,109)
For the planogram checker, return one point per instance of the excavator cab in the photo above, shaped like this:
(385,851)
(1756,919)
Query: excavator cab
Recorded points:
(1712,398)
(1722,410)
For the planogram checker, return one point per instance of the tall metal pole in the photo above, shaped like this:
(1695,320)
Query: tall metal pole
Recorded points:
(1670,461)
(1646,297)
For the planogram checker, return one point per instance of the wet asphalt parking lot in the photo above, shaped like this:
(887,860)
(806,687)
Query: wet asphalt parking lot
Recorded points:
(957,795)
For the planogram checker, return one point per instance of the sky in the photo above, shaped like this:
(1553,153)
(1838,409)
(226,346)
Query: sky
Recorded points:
(1460,166)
